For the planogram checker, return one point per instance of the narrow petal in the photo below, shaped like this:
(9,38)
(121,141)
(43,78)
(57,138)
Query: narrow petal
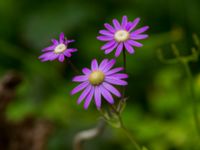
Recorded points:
(103,64)
(134,24)
(55,42)
(128,26)
(119,50)
(69,41)
(84,94)
(108,45)
(115,81)
(50,48)
(79,87)
(89,98)
(141,30)
(86,71)
(61,57)
(107,51)
(124,21)
(105,38)
(110,72)
(94,65)
(108,97)
(80,78)
(53,57)
(109,65)
(67,53)
(97,97)
(72,50)
(62,38)
(109,27)
(112,89)
(134,43)
(128,47)
(116,24)
(119,75)
(105,32)
(138,37)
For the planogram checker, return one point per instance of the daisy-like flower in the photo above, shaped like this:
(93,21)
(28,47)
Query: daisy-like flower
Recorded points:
(59,50)
(98,82)
(122,36)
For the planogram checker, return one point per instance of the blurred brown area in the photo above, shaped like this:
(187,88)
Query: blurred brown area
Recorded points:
(30,133)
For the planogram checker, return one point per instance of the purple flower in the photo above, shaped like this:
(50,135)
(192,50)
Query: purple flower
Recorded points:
(122,36)
(59,50)
(98,82)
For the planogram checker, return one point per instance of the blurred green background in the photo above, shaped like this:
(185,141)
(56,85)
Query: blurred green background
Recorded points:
(158,113)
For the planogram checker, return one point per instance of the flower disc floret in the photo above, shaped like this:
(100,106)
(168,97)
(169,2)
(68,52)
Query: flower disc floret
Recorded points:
(121,35)
(96,77)
(60,48)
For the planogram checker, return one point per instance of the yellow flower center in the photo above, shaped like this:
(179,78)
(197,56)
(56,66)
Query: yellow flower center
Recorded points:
(96,77)
(121,35)
(60,48)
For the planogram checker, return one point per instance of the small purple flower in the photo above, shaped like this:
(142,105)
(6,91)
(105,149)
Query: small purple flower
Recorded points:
(122,36)
(99,82)
(59,50)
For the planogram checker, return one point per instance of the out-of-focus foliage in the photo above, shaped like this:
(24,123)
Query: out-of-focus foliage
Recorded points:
(159,109)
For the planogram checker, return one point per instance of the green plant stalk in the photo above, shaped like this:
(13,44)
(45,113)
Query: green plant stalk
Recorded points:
(127,133)
(194,99)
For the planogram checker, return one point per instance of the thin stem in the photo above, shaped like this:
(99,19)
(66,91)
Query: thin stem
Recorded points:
(194,99)
(120,105)
(73,67)
(127,133)
(124,60)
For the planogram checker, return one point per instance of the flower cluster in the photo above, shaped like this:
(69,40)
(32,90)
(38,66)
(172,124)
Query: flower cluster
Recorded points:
(100,81)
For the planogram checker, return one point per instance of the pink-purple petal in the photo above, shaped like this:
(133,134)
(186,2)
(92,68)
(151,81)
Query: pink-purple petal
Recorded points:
(112,89)
(62,38)
(50,48)
(107,51)
(124,21)
(119,75)
(104,38)
(109,27)
(105,32)
(89,98)
(86,71)
(94,65)
(141,30)
(103,64)
(80,78)
(79,87)
(108,97)
(109,65)
(135,43)
(116,24)
(84,94)
(108,45)
(119,49)
(115,81)
(138,36)
(134,24)
(61,57)
(55,42)
(115,70)
(97,97)
(128,47)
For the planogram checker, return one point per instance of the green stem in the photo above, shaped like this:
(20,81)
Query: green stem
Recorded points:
(127,133)
(194,99)
(121,103)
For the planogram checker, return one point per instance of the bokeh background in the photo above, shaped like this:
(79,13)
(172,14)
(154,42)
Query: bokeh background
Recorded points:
(40,113)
